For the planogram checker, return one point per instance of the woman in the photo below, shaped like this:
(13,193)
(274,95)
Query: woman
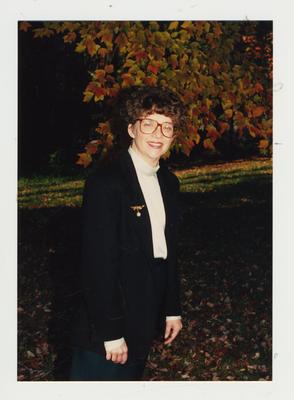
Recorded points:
(129,273)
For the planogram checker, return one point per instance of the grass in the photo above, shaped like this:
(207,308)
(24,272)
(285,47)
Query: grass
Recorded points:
(224,257)
(44,192)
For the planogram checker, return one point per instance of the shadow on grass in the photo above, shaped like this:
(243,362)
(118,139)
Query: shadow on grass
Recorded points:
(48,282)
(225,237)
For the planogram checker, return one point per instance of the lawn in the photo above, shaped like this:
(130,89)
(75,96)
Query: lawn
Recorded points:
(225,263)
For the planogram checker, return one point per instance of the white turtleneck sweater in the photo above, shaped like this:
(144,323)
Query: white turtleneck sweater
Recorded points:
(148,180)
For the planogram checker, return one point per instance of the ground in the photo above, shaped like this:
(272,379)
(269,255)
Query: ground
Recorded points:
(225,264)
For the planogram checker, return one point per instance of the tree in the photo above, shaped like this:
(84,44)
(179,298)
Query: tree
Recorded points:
(222,71)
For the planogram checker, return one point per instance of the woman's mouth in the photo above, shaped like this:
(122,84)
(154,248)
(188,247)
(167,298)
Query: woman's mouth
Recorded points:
(155,145)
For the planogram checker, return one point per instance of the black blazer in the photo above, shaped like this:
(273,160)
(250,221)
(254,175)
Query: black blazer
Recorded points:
(118,291)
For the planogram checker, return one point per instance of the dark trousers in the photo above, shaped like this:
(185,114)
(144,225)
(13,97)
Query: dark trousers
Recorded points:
(90,366)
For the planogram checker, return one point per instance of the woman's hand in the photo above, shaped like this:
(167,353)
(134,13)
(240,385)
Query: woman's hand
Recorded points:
(118,355)
(172,328)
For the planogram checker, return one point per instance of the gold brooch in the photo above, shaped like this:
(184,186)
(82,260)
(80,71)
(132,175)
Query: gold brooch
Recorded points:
(137,209)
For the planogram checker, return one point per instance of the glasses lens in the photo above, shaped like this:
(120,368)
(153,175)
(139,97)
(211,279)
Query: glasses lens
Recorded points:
(167,129)
(148,125)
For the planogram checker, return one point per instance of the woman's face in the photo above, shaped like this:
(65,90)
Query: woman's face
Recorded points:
(153,145)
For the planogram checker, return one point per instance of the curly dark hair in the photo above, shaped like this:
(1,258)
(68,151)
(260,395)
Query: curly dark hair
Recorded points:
(137,101)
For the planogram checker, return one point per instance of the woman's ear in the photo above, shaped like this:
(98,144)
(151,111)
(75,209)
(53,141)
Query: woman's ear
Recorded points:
(130,131)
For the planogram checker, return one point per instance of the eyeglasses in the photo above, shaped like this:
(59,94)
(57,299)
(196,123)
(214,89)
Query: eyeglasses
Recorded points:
(149,126)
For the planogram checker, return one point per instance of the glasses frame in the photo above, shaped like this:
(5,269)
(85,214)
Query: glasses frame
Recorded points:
(158,124)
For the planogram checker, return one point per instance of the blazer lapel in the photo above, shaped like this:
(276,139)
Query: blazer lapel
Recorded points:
(134,192)
(141,223)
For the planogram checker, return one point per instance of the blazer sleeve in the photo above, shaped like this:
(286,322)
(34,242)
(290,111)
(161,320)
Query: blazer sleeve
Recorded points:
(173,293)
(100,257)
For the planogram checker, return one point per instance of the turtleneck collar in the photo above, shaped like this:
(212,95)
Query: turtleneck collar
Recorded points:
(141,164)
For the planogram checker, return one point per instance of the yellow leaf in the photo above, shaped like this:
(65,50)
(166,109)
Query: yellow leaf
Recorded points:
(197,138)
(87,96)
(251,131)
(208,103)
(80,47)
(186,24)
(154,26)
(98,98)
(229,113)
(173,60)
(173,25)
(206,26)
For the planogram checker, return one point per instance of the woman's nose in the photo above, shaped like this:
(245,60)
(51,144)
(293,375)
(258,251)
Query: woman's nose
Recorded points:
(158,131)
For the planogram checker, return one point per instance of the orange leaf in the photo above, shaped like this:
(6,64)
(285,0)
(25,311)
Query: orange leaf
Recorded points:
(253,130)
(106,36)
(43,32)
(258,111)
(100,74)
(152,68)
(216,67)
(263,144)
(207,144)
(193,133)
(212,133)
(92,47)
(98,91)
(150,80)
(258,87)
(217,30)
(121,40)
(103,128)
(70,37)
(103,52)
(92,146)
(127,80)
(224,126)
(85,159)
(142,54)
(112,92)
(24,26)
(109,68)
(189,97)
(157,52)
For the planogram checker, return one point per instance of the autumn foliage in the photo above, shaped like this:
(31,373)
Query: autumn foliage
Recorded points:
(222,71)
